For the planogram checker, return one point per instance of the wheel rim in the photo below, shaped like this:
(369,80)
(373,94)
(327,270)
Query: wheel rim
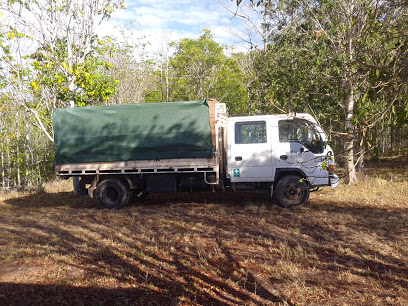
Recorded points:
(111,195)
(292,192)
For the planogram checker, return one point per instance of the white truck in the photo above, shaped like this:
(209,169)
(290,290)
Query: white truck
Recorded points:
(284,155)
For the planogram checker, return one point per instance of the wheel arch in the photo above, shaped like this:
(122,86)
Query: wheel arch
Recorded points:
(281,172)
(123,178)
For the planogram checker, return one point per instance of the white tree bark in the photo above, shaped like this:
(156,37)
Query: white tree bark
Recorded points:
(3,181)
(350,177)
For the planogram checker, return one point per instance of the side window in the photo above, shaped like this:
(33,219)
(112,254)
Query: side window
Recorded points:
(250,132)
(291,131)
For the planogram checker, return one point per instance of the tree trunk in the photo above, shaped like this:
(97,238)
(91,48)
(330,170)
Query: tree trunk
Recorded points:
(26,150)
(167,79)
(391,139)
(249,103)
(8,163)
(161,83)
(350,177)
(18,177)
(3,181)
(2,156)
(200,94)
(71,92)
(360,162)
(361,153)
(18,160)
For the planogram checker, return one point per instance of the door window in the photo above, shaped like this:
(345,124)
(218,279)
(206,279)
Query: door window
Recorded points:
(303,132)
(250,132)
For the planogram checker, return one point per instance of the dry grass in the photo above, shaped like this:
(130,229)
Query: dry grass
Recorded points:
(348,246)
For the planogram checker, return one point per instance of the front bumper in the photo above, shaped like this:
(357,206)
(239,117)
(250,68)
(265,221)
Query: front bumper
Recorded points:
(334,181)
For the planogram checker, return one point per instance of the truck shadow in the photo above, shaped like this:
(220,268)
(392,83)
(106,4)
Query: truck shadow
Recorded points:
(44,199)
(69,200)
(227,197)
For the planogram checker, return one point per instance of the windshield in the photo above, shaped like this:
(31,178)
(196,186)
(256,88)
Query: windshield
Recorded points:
(302,131)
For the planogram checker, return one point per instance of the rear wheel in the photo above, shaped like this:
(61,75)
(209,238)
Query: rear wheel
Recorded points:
(112,194)
(292,190)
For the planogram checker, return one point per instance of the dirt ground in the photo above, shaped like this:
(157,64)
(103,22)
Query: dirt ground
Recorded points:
(345,247)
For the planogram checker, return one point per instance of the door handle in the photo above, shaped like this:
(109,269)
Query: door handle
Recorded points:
(238,158)
(283,157)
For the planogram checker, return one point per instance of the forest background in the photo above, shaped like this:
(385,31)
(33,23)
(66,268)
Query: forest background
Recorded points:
(344,61)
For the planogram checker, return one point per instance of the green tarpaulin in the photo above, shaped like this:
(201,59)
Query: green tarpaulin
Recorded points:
(132,132)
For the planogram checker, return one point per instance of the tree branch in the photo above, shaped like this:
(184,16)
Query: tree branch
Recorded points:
(39,122)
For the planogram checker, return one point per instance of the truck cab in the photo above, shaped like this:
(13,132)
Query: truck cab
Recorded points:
(287,154)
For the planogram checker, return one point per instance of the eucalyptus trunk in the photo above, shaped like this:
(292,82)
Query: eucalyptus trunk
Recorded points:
(18,177)
(350,177)
(27,149)
(8,163)
(3,181)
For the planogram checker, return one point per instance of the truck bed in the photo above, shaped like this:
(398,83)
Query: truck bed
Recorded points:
(184,165)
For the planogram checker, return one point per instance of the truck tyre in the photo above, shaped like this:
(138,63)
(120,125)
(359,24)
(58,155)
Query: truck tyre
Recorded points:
(112,194)
(79,186)
(291,191)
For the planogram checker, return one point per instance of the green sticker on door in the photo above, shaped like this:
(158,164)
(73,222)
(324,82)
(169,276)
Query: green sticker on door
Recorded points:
(236,172)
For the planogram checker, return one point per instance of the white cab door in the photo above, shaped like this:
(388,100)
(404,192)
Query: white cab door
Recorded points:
(292,150)
(249,151)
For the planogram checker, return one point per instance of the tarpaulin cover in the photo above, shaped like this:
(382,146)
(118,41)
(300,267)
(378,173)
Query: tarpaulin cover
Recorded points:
(132,132)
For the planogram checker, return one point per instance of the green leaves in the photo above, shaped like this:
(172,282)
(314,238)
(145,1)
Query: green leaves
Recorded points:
(195,63)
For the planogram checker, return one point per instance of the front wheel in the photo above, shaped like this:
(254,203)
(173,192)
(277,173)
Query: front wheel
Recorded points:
(292,190)
(112,194)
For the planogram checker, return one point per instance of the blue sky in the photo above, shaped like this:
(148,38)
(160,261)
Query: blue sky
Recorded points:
(177,19)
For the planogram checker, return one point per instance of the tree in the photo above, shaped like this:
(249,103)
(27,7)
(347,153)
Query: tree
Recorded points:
(50,56)
(347,54)
(58,39)
(93,84)
(199,69)
(228,86)
(132,66)
(63,31)
(195,63)
(257,21)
